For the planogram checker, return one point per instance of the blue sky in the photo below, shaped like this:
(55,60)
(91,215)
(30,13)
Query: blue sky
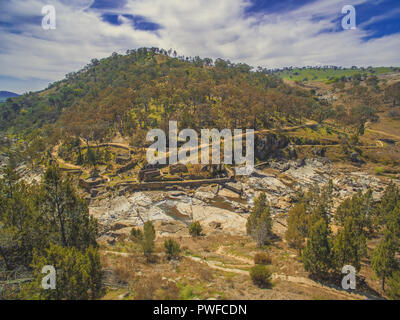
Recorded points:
(267,33)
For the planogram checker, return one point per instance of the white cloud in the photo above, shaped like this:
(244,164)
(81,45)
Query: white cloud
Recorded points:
(207,28)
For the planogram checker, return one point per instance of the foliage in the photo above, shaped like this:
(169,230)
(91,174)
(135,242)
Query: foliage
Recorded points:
(259,223)
(78,274)
(298,225)
(47,223)
(394,286)
(383,259)
(361,208)
(149,236)
(261,276)
(66,212)
(317,257)
(137,234)
(262,258)
(172,248)
(195,229)
(145,88)
(349,246)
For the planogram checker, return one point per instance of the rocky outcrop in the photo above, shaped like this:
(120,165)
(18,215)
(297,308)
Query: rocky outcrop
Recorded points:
(225,208)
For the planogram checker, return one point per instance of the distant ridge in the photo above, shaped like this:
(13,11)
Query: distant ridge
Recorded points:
(8,94)
(4,95)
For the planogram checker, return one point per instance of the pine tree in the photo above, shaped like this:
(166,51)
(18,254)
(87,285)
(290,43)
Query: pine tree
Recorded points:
(349,246)
(361,208)
(389,201)
(394,286)
(78,274)
(67,214)
(297,229)
(383,259)
(259,223)
(317,253)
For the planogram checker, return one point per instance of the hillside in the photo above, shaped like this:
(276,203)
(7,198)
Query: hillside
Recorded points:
(329,73)
(327,175)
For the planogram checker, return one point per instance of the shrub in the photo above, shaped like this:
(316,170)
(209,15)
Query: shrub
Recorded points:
(195,229)
(154,287)
(261,276)
(379,171)
(137,234)
(262,258)
(172,248)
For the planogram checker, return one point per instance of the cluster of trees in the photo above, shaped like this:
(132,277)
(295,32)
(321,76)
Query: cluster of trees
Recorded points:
(359,218)
(48,224)
(146,88)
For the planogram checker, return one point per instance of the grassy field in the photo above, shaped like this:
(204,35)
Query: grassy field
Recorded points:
(298,74)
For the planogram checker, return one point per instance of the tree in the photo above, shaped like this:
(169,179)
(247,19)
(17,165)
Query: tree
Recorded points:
(297,229)
(149,236)
(383,259)
(22,227)
(390,200)
(66,213)
(91,157)
(78,274)
(317,253)
(263,230)
(394,286)
(172,248)
(195,229)
(259,223)
(361,208)
(349,246)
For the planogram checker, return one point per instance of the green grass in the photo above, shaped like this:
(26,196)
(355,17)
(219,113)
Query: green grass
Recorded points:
(324,75)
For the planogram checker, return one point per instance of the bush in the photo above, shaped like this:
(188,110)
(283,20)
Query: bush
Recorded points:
(379,171)
(195,229)
(261,276)
(137,234)
(172,248)
(262,258)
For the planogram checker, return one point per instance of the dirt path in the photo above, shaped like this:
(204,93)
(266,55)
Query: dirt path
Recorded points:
(60,161)
(384,133)
(221,251)
(294,279)
(306,282)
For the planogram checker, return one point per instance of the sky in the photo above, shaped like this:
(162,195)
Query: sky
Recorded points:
(266,33)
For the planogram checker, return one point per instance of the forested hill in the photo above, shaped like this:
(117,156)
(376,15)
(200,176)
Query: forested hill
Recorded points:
(147,88)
